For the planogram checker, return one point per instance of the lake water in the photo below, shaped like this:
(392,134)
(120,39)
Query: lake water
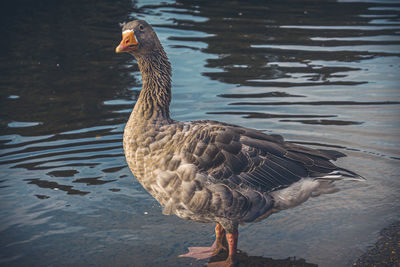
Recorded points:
(325,74)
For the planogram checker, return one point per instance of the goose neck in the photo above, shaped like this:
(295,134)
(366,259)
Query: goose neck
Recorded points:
(155,97)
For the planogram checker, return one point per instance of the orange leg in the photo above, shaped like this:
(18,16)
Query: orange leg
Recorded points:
(200,253)
(231,261)
(232,242)
(219,239)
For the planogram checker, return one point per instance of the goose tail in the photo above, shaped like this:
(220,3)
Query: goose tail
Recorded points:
(341,174)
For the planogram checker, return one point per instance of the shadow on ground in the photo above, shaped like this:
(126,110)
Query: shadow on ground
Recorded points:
(258,261)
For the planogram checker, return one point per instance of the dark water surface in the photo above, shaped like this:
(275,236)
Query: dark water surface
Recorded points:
(321,73)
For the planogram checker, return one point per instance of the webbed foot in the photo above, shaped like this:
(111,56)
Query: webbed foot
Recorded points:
(201,253)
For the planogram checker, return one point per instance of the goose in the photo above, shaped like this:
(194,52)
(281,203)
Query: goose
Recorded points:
(210,171)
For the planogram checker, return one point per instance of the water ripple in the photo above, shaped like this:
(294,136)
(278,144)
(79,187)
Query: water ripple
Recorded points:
(324,75)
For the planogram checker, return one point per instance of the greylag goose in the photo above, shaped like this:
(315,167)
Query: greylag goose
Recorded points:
(209,171)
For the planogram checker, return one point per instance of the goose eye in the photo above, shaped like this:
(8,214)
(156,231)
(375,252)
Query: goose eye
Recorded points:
(141,27)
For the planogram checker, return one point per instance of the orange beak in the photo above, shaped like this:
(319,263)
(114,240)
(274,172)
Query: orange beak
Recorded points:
(128,42)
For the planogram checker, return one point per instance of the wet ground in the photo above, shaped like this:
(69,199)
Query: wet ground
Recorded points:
(386,251)
(324,74)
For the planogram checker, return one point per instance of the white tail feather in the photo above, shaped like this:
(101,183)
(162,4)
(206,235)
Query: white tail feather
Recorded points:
(343,174)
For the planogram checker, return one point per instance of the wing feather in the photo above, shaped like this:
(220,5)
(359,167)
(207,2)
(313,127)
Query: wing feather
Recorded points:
(237,156)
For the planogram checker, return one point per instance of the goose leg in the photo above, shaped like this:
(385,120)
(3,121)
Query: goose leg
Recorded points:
(232,257)
(200,253)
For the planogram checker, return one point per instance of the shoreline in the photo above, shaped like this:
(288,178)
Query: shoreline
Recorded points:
(385,251)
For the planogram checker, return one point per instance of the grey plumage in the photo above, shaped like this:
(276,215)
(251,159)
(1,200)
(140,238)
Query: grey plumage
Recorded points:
(211,171)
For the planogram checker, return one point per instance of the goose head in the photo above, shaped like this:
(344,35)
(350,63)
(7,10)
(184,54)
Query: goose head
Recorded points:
(138,38)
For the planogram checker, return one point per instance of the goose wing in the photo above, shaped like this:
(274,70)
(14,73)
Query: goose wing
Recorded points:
(238,156)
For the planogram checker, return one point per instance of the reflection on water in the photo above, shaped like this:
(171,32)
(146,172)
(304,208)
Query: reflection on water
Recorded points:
(324,74)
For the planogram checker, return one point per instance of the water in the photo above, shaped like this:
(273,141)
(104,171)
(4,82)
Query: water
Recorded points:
(324,74)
